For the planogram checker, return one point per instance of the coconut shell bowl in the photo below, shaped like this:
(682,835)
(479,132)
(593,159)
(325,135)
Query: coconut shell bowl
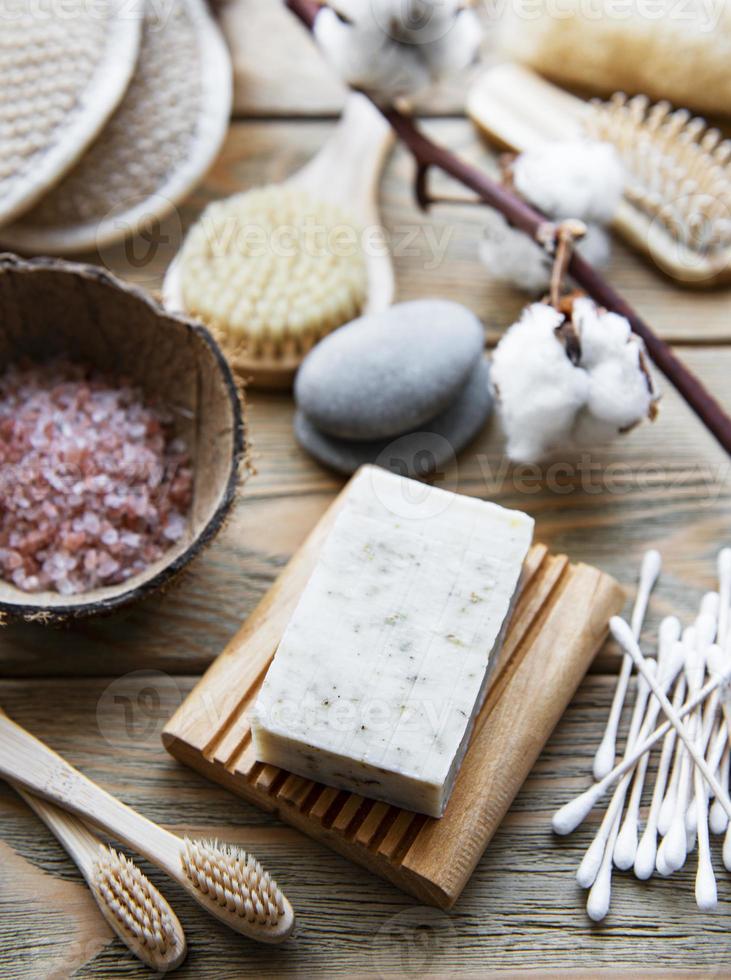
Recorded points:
(51,309)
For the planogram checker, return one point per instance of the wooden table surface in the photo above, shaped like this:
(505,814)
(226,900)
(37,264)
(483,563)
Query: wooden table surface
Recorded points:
(100,692)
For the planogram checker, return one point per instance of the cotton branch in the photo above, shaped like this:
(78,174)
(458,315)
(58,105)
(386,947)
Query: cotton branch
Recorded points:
(428,154)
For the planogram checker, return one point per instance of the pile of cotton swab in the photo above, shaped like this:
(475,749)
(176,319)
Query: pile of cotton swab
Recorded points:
(690,683)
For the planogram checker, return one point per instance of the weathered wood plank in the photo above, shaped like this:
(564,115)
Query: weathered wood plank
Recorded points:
(434,254)
(665,485)
(521,910)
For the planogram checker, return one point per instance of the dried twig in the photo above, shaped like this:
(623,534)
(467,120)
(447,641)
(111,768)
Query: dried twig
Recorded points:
(429,154)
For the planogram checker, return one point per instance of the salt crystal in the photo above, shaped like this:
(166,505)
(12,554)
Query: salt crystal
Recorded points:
(94,487)
(174,527)
(109,536)
(91,523)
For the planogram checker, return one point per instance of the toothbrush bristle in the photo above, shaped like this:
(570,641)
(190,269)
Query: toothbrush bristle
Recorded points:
(135,902)
(234,880)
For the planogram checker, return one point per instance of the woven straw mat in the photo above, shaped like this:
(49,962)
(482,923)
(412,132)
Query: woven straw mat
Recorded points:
(64,67)
(156,147)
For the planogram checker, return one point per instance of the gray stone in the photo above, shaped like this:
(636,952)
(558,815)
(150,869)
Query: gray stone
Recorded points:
(418,453)
(388,373)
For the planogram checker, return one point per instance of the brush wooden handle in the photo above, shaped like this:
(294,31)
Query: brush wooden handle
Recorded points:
(78,841)
(347,171)
(347,168)
(25,760)
(86,850)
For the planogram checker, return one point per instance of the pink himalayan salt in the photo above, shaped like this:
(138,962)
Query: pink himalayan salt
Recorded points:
(93,486)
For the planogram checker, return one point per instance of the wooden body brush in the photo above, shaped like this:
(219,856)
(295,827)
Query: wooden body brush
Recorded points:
(223,879)
(129,902)
(677,201)
(272,295)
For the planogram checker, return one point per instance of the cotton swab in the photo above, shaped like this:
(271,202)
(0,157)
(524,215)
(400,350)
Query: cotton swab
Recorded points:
(727,849)
(715,661)
(669,662)
(705,632)
(594,857)
(667,809)
(597,904)
(571,814)
(647,848)
(706,894)
(667,801)
(606,752)
(623,635)
(717,819)
(673,848)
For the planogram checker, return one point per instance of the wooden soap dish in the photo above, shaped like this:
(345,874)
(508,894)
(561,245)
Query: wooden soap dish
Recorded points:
(559,623)
(677,203)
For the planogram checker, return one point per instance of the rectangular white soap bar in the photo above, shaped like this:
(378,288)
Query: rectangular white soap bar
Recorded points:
(380,673)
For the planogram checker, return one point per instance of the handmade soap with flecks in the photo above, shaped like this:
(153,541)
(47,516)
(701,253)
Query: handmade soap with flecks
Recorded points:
(385,663)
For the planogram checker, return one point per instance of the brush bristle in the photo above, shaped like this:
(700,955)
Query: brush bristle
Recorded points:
(234,880)
(677,166)
(135,902)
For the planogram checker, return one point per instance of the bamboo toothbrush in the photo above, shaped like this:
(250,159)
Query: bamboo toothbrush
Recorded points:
(226,881)
(130,903)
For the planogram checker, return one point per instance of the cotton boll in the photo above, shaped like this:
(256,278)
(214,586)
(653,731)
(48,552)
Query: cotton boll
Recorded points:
(512,256)
(414,22)
(547,403)
(620,388)
(457,48)
(595,247)
(539,391)
(367,59)
(603,334)
(571,179)
(392,48)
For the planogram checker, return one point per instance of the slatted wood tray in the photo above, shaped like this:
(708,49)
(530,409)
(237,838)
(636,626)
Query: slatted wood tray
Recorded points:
(559,622)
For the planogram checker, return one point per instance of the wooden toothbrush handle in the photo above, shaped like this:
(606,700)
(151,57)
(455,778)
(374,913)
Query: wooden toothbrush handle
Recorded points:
(26,760)
(73,834)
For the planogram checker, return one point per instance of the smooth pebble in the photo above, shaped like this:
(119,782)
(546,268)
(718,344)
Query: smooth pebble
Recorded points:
(417,453)
(388,373)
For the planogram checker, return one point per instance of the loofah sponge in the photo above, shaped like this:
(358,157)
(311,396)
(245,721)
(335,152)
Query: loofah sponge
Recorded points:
(679,52)
(273,270)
